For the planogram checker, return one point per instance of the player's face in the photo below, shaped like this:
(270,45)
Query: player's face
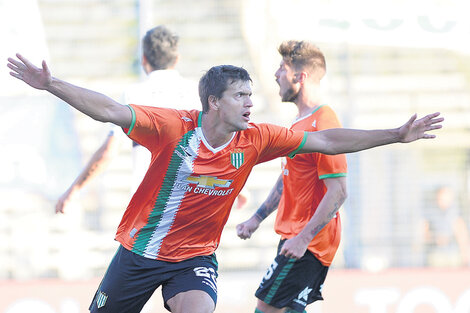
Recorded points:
(235,105)
(288,85)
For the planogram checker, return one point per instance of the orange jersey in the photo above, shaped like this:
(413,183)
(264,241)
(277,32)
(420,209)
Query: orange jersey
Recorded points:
(304,189)
(181,206)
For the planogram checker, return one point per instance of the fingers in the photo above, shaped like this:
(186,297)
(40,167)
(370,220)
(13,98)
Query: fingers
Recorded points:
(24,60)
(289,254)
(17,64)
(59,208)
(45,67)
(16,75)
(412,119)
(433,115)
(436,120)
(241,232)
(17,68)
(24,65)
(430,122)
(433,127)
(431,119)
(244,234)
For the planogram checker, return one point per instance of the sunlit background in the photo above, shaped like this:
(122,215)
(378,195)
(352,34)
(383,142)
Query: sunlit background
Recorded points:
(385,61)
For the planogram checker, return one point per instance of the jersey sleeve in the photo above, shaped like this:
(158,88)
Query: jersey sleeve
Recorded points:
(150,123)
(276,141)
(330,166)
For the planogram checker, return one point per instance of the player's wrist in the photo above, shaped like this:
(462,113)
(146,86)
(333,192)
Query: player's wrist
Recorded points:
(258,217)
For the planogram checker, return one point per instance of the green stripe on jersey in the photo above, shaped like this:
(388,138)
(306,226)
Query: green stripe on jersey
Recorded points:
(145,233)
(293,153)
(132,121)
(332,175)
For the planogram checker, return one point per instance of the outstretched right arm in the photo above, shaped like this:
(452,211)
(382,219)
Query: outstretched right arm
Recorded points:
(91,103)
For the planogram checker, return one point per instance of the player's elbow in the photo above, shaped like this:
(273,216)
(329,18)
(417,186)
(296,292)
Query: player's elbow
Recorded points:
(108,114)
(330,149)
(101,118)
(341,191)
(343,195)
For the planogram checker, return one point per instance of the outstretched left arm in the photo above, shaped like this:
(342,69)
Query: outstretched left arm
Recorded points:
(343,140)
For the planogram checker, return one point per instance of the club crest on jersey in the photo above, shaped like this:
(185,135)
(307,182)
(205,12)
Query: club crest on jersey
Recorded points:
(237,157)
(101,299)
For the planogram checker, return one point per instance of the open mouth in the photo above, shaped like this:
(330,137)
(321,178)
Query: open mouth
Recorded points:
(247,116)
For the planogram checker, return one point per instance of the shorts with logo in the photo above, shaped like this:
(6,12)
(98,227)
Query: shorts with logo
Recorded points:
(292,283)
(131,280)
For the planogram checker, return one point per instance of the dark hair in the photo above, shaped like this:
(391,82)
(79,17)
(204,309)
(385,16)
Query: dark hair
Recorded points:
(160,47)
(302,55)
(216,80)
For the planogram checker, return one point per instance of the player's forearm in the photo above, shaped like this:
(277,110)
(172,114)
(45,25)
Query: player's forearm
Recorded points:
(326,210)
(343,140)
(92,169)
(91,103)
(272,201)
(96,164)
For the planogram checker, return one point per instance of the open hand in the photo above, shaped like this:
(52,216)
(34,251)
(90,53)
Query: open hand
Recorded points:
(416,129)
(23,69)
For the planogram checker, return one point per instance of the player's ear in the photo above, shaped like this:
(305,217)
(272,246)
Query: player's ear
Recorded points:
(213,102)
(301,77)
(146,65)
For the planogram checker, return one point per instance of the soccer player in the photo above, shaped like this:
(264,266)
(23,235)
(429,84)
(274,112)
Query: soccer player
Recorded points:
(200,162)
(307,195)
(164,86)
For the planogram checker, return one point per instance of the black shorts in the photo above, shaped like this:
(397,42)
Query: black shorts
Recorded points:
(292,283)
(131,280)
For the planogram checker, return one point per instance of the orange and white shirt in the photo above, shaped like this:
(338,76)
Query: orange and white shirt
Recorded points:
(181,206)
(304,189)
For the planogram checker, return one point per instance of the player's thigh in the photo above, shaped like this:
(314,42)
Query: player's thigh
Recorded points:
(126,287)
(193,301)
(292,283)
(197,274)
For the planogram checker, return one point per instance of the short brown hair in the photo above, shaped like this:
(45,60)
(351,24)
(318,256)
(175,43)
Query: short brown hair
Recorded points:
(217,79)
(303,55)
(160,47)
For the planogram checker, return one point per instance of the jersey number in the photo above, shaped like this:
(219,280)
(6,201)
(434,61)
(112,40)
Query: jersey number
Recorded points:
(270,271)
(206,272)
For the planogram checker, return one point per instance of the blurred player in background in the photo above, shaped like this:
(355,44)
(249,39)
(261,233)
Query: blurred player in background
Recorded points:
(446,236)
(163,87)
(307,195)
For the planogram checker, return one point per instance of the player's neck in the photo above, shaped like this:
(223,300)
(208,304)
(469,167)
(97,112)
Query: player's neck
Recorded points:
(214,132)
(308,100)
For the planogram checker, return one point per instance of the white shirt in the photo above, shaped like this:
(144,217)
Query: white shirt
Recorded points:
(162,88)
